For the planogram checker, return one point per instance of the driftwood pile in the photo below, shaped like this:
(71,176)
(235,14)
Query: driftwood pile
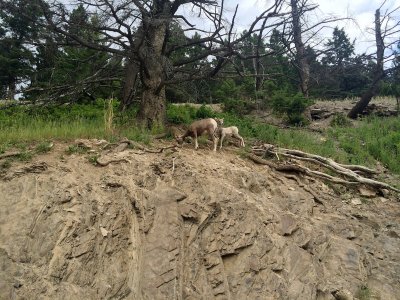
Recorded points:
(349,175)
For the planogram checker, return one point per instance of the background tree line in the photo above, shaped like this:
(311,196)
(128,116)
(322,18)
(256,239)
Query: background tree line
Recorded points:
(145,53)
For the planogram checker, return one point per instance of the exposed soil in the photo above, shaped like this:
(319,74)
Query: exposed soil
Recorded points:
(189,225)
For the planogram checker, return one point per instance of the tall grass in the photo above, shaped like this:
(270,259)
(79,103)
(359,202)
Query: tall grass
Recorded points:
(19,124)
(373,139)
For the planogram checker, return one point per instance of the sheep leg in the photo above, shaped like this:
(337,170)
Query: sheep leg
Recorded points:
(221,140)
(215,141)
(196,144)
(240,139)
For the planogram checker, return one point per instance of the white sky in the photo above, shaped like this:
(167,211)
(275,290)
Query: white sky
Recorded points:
(361,11)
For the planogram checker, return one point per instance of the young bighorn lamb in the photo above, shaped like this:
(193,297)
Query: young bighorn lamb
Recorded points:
(197,128)
(232,131)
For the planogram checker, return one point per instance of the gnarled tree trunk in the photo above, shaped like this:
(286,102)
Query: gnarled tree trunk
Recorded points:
(152,109)
(379,73)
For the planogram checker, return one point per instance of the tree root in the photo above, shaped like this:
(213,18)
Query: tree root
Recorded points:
(106,163)
(350,172)
(140,147)
(10,154)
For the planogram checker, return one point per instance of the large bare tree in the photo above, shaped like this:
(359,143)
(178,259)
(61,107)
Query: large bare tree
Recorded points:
(301,31)
(139,31)
(386,31)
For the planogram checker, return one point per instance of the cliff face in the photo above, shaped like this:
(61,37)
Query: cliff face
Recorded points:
(189,225)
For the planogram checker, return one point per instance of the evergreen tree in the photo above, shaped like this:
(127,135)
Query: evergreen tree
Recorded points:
(340,49)
(74,73)
(340,74)
(17,33)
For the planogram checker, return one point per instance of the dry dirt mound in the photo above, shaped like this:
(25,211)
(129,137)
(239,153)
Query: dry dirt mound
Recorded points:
(189,225)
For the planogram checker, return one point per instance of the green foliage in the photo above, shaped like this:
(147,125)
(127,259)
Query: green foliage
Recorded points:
(374,139)
(340,48)
(93,159)
(181,114)
(204,112)
(43,147)
(363,293)
(25,156)
(72,149)
(293,106)
(340,120)
(237,106)
(45,123)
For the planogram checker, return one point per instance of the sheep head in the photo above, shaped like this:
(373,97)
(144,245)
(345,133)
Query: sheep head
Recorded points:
(220,122)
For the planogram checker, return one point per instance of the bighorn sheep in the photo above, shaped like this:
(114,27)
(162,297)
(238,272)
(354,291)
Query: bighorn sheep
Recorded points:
(197,128)
(232,131)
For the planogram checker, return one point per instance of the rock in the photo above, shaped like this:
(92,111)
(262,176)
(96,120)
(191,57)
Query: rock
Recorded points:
(350,235)
(356,201)
(366,192)
(104,231)
(121,147)
(17,285)
(383,200)
(170,193)
(385,193)
(288,224)
(189,212)
(343,295)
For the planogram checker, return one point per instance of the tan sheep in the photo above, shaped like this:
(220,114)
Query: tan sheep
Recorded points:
(197,128)
(232,131)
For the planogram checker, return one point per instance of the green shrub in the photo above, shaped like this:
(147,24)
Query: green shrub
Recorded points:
(204,112)
(43,147)
(180,114)
(364,293)
(340,120)
(293,106)
(237,106)
(75,149)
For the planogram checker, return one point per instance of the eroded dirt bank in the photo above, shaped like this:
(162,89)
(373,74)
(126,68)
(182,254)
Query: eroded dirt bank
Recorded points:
(189,225)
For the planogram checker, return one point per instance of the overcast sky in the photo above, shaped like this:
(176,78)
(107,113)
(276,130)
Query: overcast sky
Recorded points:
(361,11)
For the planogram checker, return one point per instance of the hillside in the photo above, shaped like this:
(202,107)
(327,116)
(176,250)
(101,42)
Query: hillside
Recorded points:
(189,224)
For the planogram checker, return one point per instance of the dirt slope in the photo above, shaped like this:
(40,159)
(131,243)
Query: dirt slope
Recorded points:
(189,225)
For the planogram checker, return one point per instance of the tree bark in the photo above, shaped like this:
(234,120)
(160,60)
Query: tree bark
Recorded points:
(152,109)
(301,57)
(379,73)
